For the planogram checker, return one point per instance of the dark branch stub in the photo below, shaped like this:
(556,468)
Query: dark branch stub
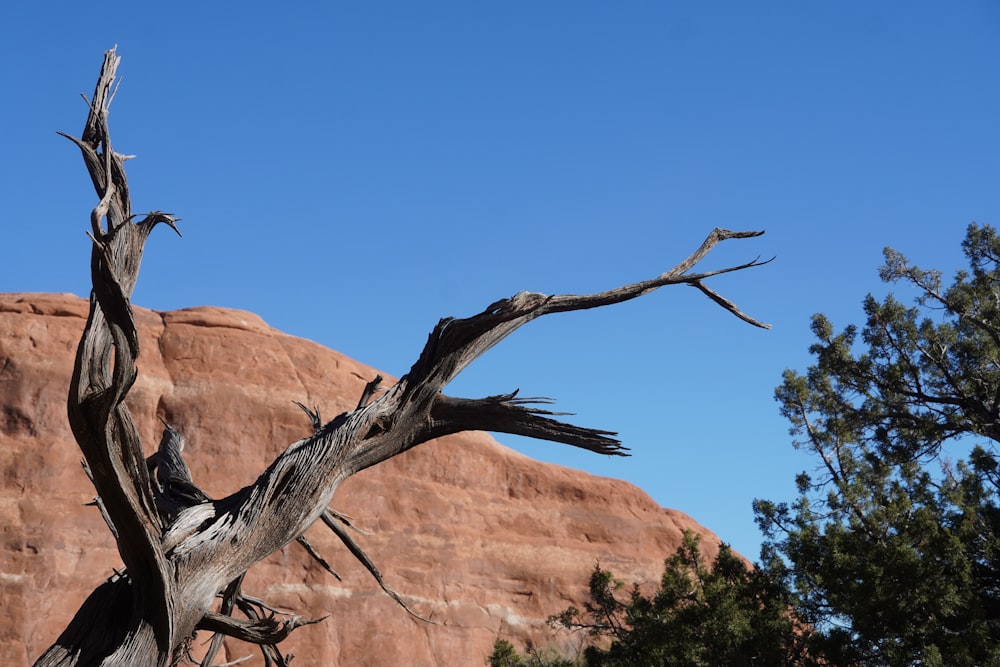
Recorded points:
(175,489)
(314,416)
(182,550)
(370,390)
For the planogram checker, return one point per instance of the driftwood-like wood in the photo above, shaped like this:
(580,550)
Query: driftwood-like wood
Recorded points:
(181,549)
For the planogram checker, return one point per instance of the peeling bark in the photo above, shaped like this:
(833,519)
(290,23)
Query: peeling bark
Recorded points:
(183,550)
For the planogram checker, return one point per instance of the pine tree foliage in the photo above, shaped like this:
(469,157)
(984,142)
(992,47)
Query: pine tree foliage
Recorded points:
(723,614)
(891,548)
(506,655)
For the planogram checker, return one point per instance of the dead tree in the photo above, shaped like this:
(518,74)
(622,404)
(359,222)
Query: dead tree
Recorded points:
(181,549)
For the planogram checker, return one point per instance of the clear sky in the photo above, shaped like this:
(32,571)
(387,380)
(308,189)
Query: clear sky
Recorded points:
(354,171)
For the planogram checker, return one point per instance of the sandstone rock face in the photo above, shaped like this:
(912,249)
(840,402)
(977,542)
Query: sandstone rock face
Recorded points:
(476,537)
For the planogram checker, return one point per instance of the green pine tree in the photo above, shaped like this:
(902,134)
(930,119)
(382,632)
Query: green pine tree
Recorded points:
(726,614)
(891,549)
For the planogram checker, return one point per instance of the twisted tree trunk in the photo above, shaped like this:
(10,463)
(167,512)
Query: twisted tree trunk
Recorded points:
(181,549)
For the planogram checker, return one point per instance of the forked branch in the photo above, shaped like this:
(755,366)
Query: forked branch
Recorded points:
(456,343)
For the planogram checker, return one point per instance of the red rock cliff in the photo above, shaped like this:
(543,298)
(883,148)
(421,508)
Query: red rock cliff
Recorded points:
(480,539)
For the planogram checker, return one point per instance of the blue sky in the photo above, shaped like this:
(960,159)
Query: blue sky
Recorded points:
(354,171)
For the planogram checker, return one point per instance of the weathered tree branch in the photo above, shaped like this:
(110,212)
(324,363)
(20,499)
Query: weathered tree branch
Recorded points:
(98,415)
(506,414)
(182,549)
(340,530)
(316,556)
(266,630)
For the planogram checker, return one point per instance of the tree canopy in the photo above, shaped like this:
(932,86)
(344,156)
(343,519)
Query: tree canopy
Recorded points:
(891,548)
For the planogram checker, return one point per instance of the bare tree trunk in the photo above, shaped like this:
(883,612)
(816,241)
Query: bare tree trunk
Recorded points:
(182,549)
